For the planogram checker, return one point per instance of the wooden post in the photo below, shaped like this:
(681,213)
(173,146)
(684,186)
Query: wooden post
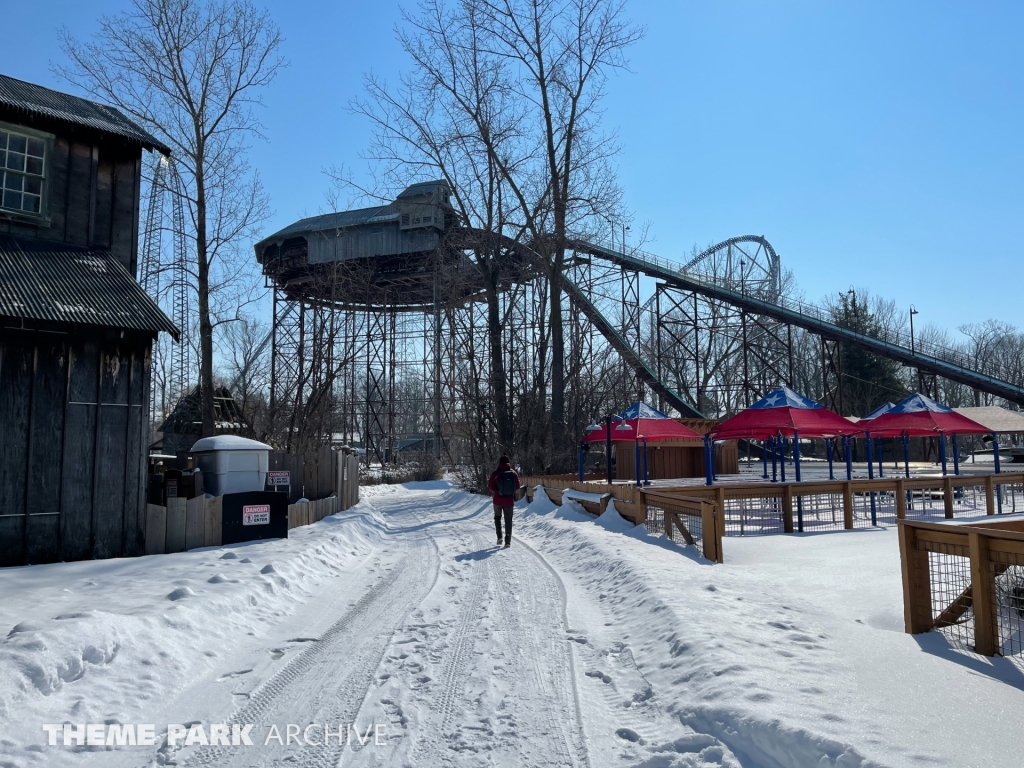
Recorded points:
(787,508)
(641,507)
(156,529)
(901,499)
(214,521)
(981,592)
(175,525)
(195,523)
(917,590)
(708,526)
(847,505)
(990,495)
(719,522)
(947,496)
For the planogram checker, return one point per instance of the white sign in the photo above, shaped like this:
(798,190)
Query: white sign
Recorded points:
(279,477)
(257,514)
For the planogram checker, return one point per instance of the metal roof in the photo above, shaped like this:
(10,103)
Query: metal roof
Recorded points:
(37,100)
(422,188)
(44,280)
(995,418)
(335,220)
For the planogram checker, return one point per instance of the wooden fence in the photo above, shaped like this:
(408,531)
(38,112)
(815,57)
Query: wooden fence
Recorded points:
(682,518)
(183,525)
(965,580)
(706,514)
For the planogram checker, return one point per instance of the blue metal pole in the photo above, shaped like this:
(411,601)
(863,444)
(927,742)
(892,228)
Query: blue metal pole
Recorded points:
(796,470)
(782,457)
(956,457)
(995,456)
(582,454)
(707,461)
(881,472)
(942,452)
(714,468)
(849,458)
(906,466)
(828,448)
(636,452)
(647,477)
(764,458)
(775,462)
(871,476)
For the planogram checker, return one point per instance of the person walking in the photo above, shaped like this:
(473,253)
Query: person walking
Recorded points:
(503,485)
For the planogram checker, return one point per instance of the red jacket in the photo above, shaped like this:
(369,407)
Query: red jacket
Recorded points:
(492,486)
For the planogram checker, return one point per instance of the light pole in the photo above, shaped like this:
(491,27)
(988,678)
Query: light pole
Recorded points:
(622,427)
(912,313)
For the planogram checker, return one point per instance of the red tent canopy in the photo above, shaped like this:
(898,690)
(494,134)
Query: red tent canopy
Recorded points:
(645,423)
(787,412)
(920,415)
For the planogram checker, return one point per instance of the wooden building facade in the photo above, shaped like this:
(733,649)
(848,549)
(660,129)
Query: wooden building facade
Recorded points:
(76,329)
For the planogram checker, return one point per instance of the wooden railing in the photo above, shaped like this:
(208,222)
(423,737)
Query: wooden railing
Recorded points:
(756,508)
(966,580)
(684,519)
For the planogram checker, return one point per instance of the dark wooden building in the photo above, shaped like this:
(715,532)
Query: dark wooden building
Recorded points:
(76,329)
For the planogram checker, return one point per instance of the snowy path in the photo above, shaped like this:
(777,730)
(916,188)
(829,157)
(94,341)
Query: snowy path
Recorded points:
(463,652)
(588,643)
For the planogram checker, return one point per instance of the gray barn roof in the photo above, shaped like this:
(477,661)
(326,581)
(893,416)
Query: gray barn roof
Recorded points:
(37,100)
(995,418)
(335,220)
(43,280)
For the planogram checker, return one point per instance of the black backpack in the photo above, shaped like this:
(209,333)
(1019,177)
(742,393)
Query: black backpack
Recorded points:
(507,483)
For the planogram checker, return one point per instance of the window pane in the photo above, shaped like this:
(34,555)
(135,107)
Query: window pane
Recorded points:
(3,139)
(33,186)
(13,182)
(34,165)
(31,203)
(16,143)
(3,157)
(12,200)
(35,147)
(15,161)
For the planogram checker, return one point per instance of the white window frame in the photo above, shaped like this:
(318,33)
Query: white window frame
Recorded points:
(44,199)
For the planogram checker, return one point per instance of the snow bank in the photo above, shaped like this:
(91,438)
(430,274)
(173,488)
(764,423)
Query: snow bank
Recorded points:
(100,641)
(792,653)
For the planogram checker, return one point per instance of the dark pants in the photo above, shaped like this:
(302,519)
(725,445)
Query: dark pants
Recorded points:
(507,512)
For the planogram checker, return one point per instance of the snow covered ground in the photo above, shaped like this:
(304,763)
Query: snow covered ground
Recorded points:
(588,643)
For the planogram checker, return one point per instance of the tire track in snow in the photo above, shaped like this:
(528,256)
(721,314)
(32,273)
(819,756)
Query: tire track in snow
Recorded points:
(555,680)
(329,681)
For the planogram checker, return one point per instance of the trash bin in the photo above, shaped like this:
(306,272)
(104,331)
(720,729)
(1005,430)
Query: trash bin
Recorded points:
(231,464)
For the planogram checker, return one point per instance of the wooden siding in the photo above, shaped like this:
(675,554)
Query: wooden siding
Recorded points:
(667,462)
(71,459)
(92,195)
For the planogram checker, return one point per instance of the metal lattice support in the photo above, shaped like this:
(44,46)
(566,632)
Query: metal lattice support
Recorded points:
(832,376)
(180,290)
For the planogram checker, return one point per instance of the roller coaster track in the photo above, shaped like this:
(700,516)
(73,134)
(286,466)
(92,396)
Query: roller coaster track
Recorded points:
(931,358)
(626,352)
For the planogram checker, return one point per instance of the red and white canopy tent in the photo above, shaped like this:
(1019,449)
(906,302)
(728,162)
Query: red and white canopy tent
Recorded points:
(639,422)
(779,415)
(920,416)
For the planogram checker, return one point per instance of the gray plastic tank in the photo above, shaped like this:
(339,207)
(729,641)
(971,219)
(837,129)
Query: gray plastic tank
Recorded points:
(231,464)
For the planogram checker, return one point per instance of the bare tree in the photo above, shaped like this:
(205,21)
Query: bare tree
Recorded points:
(503,103)
(190,72)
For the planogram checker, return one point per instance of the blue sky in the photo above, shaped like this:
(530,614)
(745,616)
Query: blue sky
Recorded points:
(875,144)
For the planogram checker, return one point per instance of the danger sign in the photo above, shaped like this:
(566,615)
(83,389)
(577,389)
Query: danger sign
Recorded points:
(279,477)
(257,514)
